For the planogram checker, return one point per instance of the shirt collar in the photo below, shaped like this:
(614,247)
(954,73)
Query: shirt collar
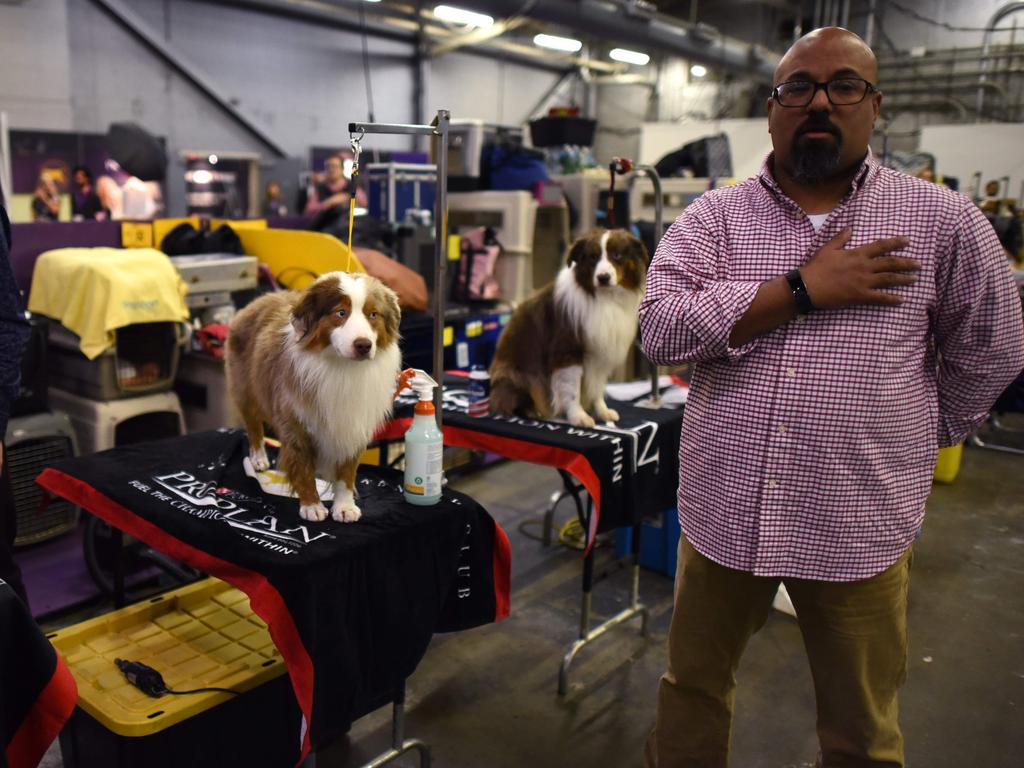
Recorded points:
(868,169)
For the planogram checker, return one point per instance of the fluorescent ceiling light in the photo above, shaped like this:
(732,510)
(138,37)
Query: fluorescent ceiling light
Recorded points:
(557,43)
(698,70)
(462,16)
(629,57)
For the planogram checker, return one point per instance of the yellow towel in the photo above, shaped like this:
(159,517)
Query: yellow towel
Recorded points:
(94,291)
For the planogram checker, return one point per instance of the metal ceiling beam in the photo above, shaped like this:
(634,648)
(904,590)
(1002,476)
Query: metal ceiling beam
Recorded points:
(177,60)
(624,24)
(476,36)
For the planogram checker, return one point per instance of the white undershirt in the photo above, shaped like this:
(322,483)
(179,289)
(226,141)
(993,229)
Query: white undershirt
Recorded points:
(817,219)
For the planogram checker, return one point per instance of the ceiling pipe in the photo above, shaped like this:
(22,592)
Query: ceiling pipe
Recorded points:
(998,16)
(623,23)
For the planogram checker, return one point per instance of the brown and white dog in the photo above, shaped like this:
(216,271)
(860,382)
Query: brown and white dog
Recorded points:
(319,367)
(554,357)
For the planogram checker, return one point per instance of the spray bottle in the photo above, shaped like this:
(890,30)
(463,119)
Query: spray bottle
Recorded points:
(424,446)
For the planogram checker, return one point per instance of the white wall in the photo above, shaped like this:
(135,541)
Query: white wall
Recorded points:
(66,65)
(35,87)
(749,141)
(959,152)
(492,90)
(906,32)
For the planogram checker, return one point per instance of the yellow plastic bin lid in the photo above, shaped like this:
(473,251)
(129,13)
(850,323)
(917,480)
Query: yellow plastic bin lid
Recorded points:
(197,636)
(947,466)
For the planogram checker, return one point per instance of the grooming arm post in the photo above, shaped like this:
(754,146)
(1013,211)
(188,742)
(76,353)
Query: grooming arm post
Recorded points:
(440,130)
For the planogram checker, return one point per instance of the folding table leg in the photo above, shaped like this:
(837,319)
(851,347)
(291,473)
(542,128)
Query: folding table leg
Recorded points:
(399,744)
(587,635)
(118,567)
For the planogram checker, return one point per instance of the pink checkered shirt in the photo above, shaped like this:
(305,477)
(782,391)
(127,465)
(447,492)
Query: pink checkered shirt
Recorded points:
(809,452)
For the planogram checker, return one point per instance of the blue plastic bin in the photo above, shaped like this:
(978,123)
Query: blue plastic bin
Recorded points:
(659,543)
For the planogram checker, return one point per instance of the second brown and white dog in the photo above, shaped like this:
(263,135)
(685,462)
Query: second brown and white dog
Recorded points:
(319,366)
(554,358)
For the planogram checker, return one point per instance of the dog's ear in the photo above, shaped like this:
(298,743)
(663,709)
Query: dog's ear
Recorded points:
(576,252)
(392,311)
(304,315)
(640,250)
(317,300)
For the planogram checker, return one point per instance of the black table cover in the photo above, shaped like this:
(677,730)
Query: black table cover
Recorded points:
(630,470)
(37,691)
(351,606)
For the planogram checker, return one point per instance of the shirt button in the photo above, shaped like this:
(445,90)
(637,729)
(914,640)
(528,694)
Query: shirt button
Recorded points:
(790,373)
(801,318)
(782,429)
(773,483)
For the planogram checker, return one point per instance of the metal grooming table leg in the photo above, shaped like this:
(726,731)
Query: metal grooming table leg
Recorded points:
(399,744)
(587,635)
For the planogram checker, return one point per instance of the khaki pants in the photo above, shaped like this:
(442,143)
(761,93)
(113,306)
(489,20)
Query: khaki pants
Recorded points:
(855,634)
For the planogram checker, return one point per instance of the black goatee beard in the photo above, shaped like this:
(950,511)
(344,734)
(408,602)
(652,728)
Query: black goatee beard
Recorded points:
(813,161)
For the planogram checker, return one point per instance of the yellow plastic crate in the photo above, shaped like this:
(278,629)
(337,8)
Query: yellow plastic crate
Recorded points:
(947,467)
(197,636)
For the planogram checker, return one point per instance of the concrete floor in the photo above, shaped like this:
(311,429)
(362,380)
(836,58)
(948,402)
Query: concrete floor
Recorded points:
(487,697)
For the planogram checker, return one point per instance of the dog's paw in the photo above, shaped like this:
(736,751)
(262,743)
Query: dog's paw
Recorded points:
(259,459)
(606,414)
(316,513)
(346,513)
(580,418)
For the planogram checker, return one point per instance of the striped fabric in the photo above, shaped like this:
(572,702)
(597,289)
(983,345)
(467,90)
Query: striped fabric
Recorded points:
(809,452)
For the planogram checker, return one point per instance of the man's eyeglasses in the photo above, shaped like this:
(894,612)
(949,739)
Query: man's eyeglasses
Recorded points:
(841,92)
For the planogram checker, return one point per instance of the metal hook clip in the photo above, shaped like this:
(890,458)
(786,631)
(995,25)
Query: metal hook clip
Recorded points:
(355,142)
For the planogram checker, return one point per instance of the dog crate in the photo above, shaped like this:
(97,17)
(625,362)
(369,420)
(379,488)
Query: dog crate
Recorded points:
(143,360)
(34,370)
(200,636)
(35,442)
(101,425)
(203,390)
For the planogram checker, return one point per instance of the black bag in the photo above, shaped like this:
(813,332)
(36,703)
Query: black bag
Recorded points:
(186,240)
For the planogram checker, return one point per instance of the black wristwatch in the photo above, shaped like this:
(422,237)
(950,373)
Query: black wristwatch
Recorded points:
(800,295)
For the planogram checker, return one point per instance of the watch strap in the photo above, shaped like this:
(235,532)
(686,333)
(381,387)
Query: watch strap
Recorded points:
(804,306)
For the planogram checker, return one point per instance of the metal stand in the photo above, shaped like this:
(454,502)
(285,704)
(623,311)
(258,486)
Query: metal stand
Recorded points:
(399,744)
(654,401)
(993,420)
(635,609)
(440,130)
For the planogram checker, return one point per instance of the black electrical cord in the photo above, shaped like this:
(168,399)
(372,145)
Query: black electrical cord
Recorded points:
(151,682)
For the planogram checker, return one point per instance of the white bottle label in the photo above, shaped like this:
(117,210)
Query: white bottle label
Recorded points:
(423,468)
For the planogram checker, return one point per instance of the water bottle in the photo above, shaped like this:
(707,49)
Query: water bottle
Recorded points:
(479,401)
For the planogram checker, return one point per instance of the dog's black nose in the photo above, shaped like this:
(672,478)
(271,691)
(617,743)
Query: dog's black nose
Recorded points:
(604,278)
(362,347)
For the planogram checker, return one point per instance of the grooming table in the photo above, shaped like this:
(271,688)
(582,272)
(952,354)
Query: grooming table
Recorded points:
(628,471)
(351,607)
(37,691)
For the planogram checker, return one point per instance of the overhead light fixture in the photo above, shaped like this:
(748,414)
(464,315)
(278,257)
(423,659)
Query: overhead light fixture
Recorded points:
(556,43)
(629,57)
(462,16)
(698,70)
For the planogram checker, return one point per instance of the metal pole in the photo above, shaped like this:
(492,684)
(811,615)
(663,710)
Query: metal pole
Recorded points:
(440,131)
(652,174)
(440,255)
(869,25)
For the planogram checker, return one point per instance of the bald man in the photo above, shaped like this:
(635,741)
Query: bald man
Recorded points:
(846,320)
